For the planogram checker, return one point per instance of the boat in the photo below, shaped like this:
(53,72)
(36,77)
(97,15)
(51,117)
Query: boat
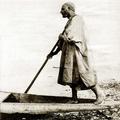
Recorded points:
(22,103)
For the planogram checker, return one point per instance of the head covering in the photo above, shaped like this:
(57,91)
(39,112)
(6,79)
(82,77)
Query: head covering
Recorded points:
(70,5)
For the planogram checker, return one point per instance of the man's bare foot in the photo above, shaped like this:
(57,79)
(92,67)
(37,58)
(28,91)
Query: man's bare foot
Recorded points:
(99,99)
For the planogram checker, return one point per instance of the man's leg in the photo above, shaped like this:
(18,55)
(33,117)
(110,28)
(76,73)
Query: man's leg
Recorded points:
(74,94)
(99,94)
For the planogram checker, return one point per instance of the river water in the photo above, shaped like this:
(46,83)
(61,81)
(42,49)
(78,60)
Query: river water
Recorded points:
(29,29)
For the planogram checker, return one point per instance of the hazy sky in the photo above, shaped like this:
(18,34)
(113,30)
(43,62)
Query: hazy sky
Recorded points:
(29,29)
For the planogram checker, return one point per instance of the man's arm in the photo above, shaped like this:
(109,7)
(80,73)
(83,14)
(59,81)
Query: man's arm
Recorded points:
(65,38)
(61,38)
(50,55)
(54,52)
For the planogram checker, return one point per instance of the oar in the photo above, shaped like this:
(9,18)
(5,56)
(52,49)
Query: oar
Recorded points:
(28,88)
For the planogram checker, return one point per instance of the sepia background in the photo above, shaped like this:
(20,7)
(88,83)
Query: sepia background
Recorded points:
(30,28)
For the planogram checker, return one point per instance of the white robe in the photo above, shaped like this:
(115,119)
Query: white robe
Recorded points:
(74,64)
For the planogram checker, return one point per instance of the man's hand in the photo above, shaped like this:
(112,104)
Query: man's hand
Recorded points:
(50,55)
(71,42)
(64,37)
(61,37)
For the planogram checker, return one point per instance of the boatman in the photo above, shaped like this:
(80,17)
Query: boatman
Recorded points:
(75,69)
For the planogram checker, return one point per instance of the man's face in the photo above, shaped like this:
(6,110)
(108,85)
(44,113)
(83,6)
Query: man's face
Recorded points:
(64,11)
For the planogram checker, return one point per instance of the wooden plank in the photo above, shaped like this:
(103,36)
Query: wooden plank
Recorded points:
(43,108)
(31,98)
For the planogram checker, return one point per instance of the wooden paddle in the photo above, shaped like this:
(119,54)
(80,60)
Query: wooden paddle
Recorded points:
(28,88)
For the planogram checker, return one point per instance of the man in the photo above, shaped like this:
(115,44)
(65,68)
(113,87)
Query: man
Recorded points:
(75,69)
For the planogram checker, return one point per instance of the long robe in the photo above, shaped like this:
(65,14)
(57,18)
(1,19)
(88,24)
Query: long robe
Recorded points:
(74,65)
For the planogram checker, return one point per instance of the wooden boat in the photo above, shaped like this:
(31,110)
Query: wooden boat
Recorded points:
(11,103)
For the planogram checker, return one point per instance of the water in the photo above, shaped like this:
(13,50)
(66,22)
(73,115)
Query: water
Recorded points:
(29,30)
